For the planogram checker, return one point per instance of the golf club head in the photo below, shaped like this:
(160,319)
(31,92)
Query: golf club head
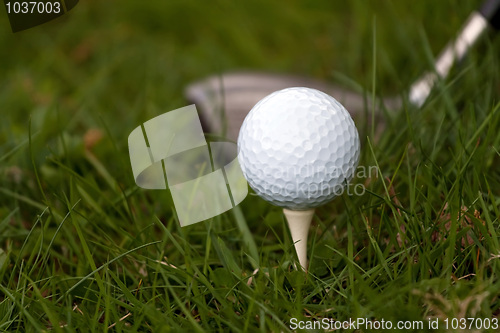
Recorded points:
(225,100)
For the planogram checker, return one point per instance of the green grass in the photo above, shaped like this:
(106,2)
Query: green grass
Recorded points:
(82,248)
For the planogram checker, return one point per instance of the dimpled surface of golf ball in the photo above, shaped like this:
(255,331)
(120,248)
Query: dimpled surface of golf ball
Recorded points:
(298,148)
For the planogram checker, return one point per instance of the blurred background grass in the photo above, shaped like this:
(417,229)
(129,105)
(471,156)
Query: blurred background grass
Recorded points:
(84,81)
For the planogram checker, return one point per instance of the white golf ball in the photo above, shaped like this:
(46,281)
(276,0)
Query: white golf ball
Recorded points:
(298,148)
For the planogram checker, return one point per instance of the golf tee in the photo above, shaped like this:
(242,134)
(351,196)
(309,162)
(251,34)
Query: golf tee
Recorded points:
(299,222)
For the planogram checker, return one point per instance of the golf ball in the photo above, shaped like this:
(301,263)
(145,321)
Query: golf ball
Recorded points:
(298,148)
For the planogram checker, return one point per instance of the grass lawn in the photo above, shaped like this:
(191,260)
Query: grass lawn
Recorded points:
(82,248)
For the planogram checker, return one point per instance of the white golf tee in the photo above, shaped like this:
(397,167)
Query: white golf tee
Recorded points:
(299,222)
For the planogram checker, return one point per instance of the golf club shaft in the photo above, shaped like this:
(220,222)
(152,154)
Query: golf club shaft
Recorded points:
(475,26)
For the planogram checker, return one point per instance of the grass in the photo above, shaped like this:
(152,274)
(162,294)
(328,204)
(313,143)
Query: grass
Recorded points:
(83,249)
